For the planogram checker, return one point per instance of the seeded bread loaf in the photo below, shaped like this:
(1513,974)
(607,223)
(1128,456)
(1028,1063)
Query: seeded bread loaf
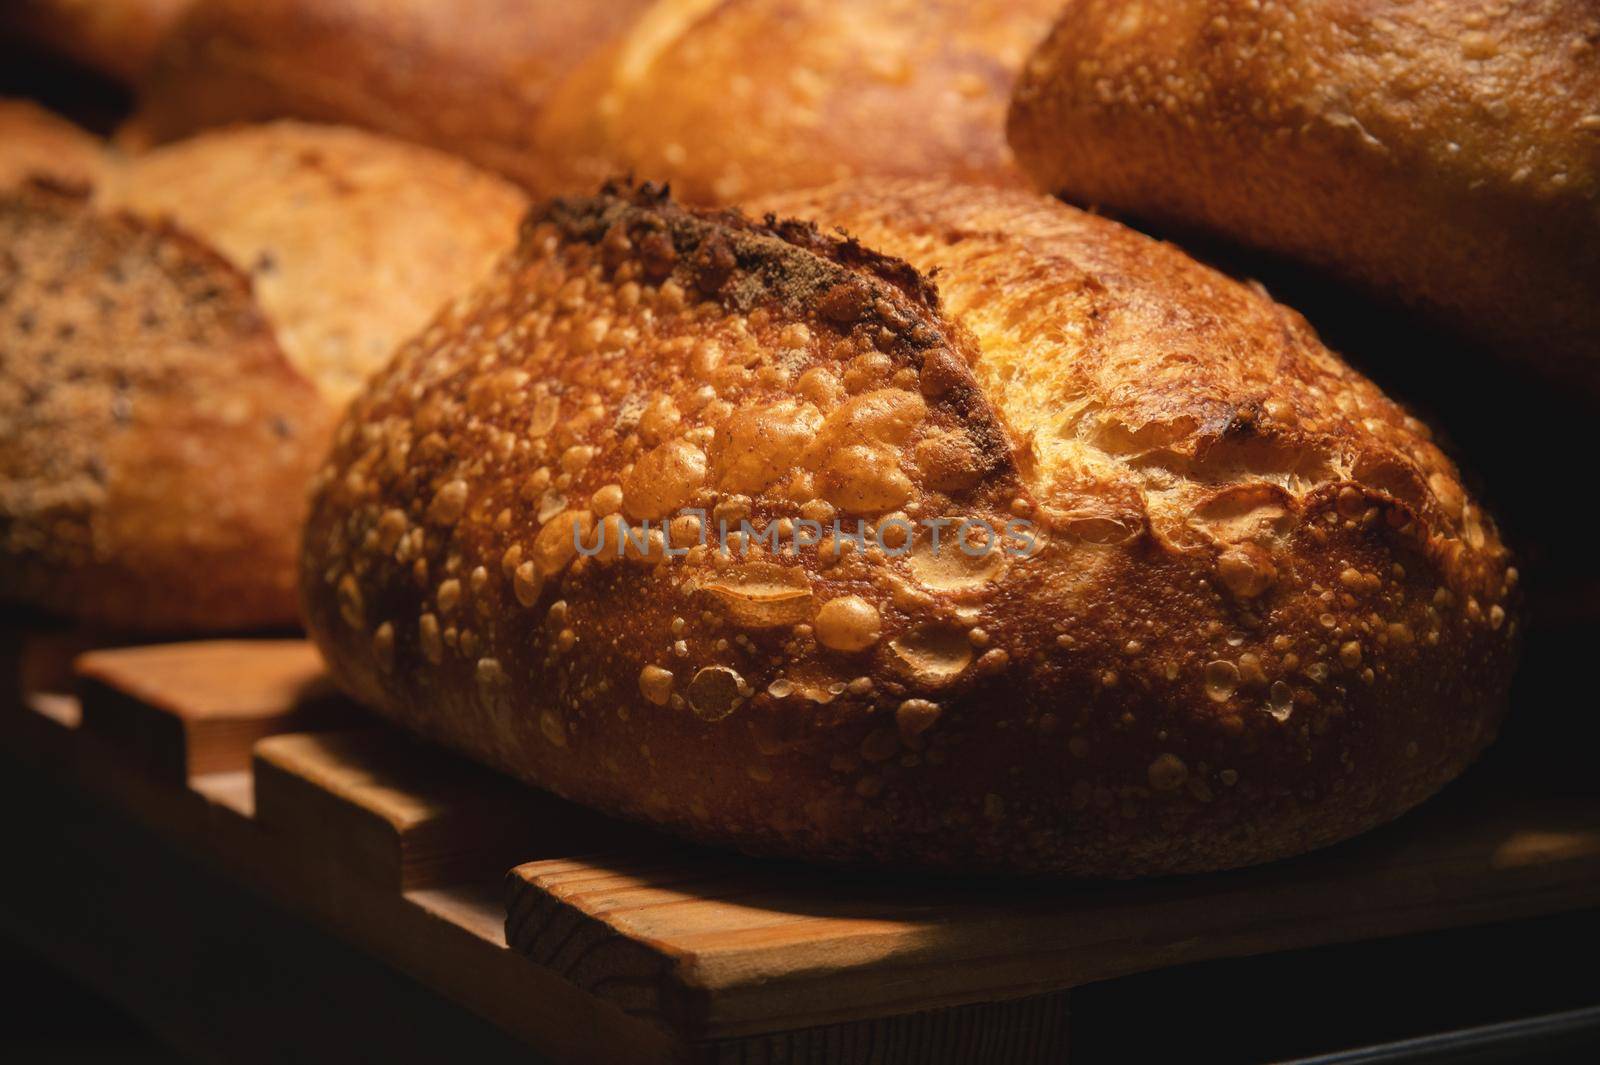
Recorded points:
(173,354)
(1444,153)
(152,434)
(351,240)
(1244,607)
(36,143)
(726,98)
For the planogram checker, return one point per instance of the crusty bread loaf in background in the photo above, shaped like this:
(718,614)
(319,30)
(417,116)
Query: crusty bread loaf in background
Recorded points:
(726,98)
(113,37)
(173,353)
(153,437)
(36,143)
(1260,615)
(470,76)
(735,99)
(1444,154)
(351,240)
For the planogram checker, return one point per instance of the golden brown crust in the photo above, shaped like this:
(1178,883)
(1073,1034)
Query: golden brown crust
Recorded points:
(468,76)
(1260,615)
(184,514)
(36,143)
(114,37)
(725,98)
(803,93)
(351,240)
(1441,152)
(154,440)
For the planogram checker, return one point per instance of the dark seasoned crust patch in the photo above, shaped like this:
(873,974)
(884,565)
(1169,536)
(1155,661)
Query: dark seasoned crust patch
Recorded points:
(141,388)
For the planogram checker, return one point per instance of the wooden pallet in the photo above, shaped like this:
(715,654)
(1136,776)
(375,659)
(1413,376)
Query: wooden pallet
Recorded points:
(609,943)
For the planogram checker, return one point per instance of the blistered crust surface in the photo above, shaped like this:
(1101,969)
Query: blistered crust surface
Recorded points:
(633,361)
(154,442)
(1441,152)
(1260,614)
(351,241)
(1133,376)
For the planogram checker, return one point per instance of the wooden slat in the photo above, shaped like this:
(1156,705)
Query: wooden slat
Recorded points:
(210,964)
(47,656)
(724,949)
(409,815)
(450,938)
(1029,1031)
(647,950)
(36,664)
(371,810)
(183,710)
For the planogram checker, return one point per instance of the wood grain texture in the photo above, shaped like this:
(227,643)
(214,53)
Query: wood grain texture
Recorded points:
(406,815)
(654,952)
(205,961)
(723,948)
(447,937)
(1019,1033)
(183,710)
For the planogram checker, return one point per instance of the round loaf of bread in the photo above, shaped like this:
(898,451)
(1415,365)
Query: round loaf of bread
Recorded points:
(153,438)
(729,99)
(1443,153)
(1101,566)
(34,143)
(173,354)
(351,240)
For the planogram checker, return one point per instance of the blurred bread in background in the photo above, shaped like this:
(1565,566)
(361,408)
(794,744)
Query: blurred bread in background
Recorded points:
(175,347)
(1441,155)
(469,77)
(153,437)
(724,98)
(735,99)
(35,143)
(111,37)
(351,240)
